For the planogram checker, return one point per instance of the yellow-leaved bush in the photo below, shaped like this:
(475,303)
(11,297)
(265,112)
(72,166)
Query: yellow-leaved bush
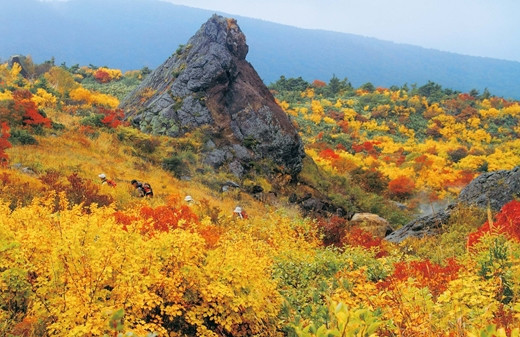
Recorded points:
(72,271)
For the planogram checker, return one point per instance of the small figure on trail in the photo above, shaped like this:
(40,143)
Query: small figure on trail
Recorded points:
(142,189)
(239,212)
(105,181)
(189,199)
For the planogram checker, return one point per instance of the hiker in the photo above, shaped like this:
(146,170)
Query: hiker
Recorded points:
(239,212)
(189,199)
(105,181)
(143,189)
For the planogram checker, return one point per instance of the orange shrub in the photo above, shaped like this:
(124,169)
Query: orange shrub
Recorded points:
(401,187)
(167,217)
(318,84)
(328,154)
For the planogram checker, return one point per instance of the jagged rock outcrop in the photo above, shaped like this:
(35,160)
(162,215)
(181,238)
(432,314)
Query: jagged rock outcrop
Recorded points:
(493,188)
(209,82)
(496,188)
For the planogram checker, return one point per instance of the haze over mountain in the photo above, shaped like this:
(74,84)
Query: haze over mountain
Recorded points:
(145,32)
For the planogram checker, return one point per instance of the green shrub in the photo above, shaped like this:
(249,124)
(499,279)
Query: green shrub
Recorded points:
(179,164)
(93,120)
(22,137)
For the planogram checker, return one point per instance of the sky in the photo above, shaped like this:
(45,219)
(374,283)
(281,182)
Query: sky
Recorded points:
(487,28)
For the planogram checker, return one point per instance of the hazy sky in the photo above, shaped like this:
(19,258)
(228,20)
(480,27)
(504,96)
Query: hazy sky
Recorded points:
(473,27)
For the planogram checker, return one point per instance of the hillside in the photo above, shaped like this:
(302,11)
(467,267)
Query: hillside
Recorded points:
(114,34)
(85,259)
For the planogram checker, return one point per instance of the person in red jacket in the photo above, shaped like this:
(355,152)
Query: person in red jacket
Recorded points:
(239,212)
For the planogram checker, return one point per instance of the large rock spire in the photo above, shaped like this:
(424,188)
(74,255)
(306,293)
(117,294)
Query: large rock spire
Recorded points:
(209,82)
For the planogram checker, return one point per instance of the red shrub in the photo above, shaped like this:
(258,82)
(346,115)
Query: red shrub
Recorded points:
(333,230)
(113,117)
(344,126)
(341,147)
(358,237)
(84,191)
(466,97)
(368,147)
(504,318)
(507,222)
(87,130)
(24,104)
(4,144)
(102,76)
(51,181)
(426,273)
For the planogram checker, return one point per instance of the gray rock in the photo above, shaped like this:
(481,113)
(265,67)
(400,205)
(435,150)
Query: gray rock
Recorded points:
(215,158)
(493,188)
(426,225)
(210,145)
(209,82)
(231,183)
(236,168)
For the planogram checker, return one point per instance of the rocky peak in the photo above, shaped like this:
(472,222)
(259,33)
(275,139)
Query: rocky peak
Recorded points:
(208,82)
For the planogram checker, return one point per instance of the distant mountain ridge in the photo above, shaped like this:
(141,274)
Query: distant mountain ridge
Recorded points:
(130,35)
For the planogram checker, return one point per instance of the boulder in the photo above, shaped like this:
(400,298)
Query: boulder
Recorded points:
(372,223)
(208,82)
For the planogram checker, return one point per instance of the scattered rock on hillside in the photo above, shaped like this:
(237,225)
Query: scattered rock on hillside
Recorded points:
(208,82)
(426,225)
(496,188)
(372,223)
(493,188)
(317,204)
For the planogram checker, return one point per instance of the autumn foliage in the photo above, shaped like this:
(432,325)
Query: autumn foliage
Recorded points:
(4,144)
(78,258)
(358,237)
(112,117)
(24,104)
(401,187)
(506,222)
(425,273)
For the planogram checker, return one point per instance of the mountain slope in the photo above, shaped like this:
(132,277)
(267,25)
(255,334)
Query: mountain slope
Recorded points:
(115,34)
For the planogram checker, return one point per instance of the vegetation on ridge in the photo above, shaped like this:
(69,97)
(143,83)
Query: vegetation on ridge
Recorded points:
(78,258)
